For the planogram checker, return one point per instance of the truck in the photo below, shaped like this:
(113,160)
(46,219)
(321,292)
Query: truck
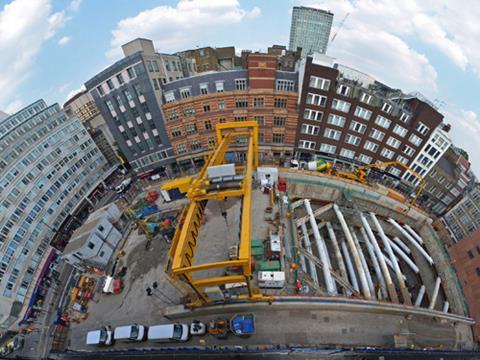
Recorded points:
(123,185)
(316,165)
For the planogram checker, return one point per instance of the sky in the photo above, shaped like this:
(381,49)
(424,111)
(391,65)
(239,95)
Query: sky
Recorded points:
(49,48)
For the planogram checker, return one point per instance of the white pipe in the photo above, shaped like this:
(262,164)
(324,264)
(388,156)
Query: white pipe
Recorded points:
(402,245)
(304,266)
(329,282)
(308,247)
(414,233)
(419,298)
(338,254)
(364,263)
(398,272)
(346,255)
(446,305)
(436,289)
(353,249)
(381,259)
(404,256)
(412,241)
(376,265)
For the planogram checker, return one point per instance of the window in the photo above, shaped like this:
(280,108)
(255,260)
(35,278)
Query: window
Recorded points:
(347,153)
(358,127)
(478,271)
(383,122)
(404,117)
(240,84)
(206,107)
(402,159)
(177,132)
(279,120)
(91,245)
(110,105)
(211,142)
(240,118)
(318,100)
(386,107)
(191,129)
(241,103)
(395,143)
(277,138)
(364,159)
(408,150)
(219,86)
(172,115)
(352,140)
(110,84)
(285,85)
(336,120)
(471,256)
(181,149)
(280,103)
(305,144)
(204,88)
(222,120)
(340,105)
(149,66)
(366,98)
(332,134)
(312,115)
(422,128)
(310,129)
(129,96)
(185,93)
(260,120)
(415,140)
(258,102)
(344,90)
(319,83)
(120,79)
(394,171)
(195,145)
(387,153)
(100,90)
(327,148)
(221,104)
(370,146)
(208,125)
(131,73)
(377,134)
(400,131)
(188,111)
(363,113)
(169,96)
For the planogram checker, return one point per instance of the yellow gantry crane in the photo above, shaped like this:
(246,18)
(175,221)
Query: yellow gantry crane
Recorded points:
(180,267)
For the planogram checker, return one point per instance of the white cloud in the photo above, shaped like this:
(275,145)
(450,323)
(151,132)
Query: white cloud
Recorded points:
(75,5)
(25,25)
(64,40)
(13,106)
(74,92)
(172,28)
(450,27)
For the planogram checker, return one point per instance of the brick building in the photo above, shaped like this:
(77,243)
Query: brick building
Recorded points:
(195,105)
(349,115)
(212,59)
(465,257)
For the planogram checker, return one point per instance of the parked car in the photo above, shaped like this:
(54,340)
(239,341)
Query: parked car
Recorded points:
(168,332)
(102,336)
(133,332)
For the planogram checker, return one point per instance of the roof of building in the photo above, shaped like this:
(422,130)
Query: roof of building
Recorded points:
(76,244)
(87,227)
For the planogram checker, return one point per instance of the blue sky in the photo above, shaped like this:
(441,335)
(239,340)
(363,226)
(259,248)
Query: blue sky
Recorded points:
(50,48)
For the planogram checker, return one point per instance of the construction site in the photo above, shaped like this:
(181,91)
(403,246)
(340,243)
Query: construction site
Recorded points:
(320,258)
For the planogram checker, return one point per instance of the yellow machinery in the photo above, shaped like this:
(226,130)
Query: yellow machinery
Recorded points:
(180,266)
(360,174)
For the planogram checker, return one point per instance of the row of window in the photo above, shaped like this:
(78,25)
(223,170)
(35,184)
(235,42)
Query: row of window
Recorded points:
(116,81)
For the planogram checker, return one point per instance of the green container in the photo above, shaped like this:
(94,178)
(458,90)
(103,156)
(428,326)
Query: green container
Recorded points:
(269,265)
(256,243)
(257,251)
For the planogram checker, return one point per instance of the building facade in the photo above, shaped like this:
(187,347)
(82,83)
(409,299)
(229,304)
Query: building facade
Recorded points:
(447,181)
(286,59)
(195,105)
(49,164)
(465,257)
(212,59)
(83,106)
(128,101)
(348,115)
(464,218)
(310,30)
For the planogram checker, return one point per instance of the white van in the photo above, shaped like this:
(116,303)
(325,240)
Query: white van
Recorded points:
(130,333)
(168,332)
(102,336)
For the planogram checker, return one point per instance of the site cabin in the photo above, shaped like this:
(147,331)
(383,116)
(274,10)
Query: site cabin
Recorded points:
(112,285)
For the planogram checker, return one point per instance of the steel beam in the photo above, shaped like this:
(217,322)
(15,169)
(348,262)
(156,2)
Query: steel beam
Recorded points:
(308,247)
(436,289)
(414,233)
(338,253)
(322,250)
(381,259)
(351,272)
(412,240)
(404,256)
(364,263)
(316,213)
(353,249)
(402,245)
(376,265)
(398,272)
(420,295)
